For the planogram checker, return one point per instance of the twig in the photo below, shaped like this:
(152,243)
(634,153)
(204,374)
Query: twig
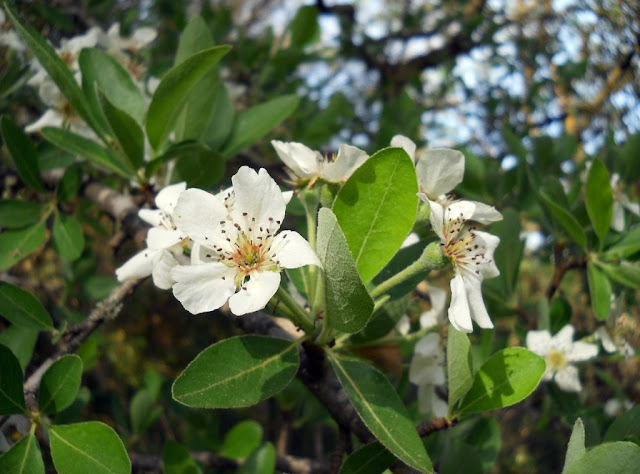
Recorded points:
(435,424)
(562,267)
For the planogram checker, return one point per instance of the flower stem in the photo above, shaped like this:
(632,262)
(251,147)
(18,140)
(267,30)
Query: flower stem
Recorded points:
(298,315)
(431,259)
(310,199)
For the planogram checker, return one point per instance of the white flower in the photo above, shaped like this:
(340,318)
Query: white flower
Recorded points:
(435,315)
(471,253)
(559,352)
(164,242)
(427,371)
(237,254)
(124,50)
(620,203)
(308,164)
(615,406)
(8,37)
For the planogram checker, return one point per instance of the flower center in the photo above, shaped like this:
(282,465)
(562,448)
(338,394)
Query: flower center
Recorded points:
(556,359)
(248,256)
(463,249)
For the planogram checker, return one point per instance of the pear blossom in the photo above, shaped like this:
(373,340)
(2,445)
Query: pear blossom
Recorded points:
(620,203)
(427,371)
(471,253)
(8,36)
(238,253)
(124,49)
(165,242)
(305,163)
(559,352)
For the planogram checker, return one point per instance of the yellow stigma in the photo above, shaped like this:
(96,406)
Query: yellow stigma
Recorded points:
(556,359)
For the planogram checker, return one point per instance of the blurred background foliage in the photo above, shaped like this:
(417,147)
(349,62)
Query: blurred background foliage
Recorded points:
(529,90)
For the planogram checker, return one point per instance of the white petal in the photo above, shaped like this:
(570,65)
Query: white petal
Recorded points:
(50,118)
(287,195)
(485,214)
(438,298)
(155,217)
(403,325)
(459,209)
(567,379)
(488,242)
(438,406)
(202,288)
(257,196)
(429,345)
(143,36)
(348,160)
(198,214)
(563,339)
(539,342)
(607,343)
(255,293)
(476,303)
(292,251)
(159,238)
(617,218)
(632,207)
(411,239)
(138,266)
(407,144)
(459,313)
(167,198)
(303,161)
(581,351)
(163,263)
(436,217)
(439,171)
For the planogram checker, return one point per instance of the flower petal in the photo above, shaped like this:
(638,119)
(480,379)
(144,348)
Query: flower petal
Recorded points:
(167,198)
(303,161)
(198,214)
(138,266)
(163,263)
(255,293)
(472,283)
(439,171)
(257,196)
(539,342)
(348,160)
(202,288)
(459,313)
(567,379)
(581,351)
(291,250)
(407,144)
(436,216)
(488,243)
(155,217)
(485,214)
(159,238)
(438,298)
(617,218)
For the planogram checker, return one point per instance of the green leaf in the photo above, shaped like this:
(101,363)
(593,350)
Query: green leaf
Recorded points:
(459,365)
(21,341)
(509,253)
(67,236)
(371,458)
(197,164)
(24,457)
(625,427)
(69,185)
(23,152)
(348,305)
(570,224)
(261,461)
(101,71)
(11,394)
(254,123)
(376,209)
(600,290)
(599,199)
(576,448)
(60,384)
(195,37)
(241,440)
(627,273)
(304,26)
(217,130)
(126,130)
(22,308)
(237,372)
(176,460)
(613,458)
(173,91)
(56,68)
(626,246)
(86,149)
(508,377)
(381,409)
(16,245)
(15,214)
(143,412)
(88,447)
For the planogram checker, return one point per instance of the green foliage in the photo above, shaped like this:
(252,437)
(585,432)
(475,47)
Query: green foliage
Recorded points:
(615,458)
(575,449)
(261,461)
(15,214)
(23,152)
(599,199)
(11,395)
(371,458)
(242,440)
(176,460)
(459,365)
(237,372)
(24,457)
(60,384)
(625,427)
(22,308)
(376,209)
(67,236)
(600,290)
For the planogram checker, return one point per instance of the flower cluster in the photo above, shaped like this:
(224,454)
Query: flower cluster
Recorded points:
(236,251)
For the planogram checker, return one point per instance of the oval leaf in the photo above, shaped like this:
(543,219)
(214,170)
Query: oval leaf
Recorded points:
(348,305)
(22,308)
(381,409)
(376,209)
(241,440)
(60,384)
(16,245)
(176,460)
(23,152)
(261,461)
(173,91)
(15,214)
(24,457)
(627,273)
(237,372)
(575,449)
(600,290)
(255,122)
(570,224)
(88,447)
(508,377)
(21,341)
(459,366)
(626,246)
(67,235)
(613,458)
(11,394)
(372,458)
(599,199)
